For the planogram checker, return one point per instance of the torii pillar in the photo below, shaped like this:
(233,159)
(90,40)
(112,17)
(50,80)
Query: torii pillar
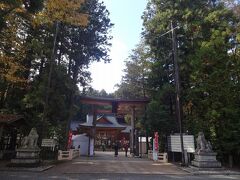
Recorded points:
(132,135)
(117,106)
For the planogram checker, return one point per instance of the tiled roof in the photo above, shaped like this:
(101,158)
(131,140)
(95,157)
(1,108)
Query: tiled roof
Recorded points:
(9,118)
(74,125)
(121,119)
(112,122)
(127,130)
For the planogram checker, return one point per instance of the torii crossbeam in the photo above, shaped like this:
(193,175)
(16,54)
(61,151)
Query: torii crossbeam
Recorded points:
(118,106)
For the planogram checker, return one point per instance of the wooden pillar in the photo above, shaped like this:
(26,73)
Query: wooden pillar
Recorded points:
(140,146)
(94,125)
(136,145)
(1,131)
(89,141)
(132,138)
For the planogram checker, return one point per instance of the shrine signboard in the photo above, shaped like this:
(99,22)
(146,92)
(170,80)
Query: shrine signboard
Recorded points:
(174,143)
(52,143)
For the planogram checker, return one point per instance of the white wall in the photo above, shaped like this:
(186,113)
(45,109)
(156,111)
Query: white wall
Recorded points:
(81,140)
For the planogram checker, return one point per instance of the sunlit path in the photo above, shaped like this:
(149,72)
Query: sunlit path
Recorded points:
(105,162)
(119,89)
(105,166)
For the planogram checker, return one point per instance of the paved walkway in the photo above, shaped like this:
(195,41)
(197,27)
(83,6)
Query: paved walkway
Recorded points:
(105,166)
(105,162)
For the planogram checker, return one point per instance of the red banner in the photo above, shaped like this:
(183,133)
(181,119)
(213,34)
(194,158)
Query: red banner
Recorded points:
(156,141)
(69,139)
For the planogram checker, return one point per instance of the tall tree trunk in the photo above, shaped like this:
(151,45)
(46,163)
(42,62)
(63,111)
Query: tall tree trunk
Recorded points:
(230,160)
(59,45)
(4,95)
(147,142)
(69,67)
(27,63)
(171,104)
(43,132)
(71,101)
(60,55)
(41,64)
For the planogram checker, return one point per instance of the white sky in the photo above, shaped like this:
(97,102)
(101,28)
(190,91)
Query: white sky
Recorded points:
(126,16)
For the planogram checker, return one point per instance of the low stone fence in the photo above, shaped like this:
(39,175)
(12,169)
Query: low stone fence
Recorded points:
(150,155)
(162,157)
(68,155)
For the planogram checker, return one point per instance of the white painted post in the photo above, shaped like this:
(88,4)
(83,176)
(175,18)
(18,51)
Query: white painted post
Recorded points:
(70,154)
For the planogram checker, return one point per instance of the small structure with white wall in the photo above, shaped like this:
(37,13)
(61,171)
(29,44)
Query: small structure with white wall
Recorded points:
(81,141)
(143,145)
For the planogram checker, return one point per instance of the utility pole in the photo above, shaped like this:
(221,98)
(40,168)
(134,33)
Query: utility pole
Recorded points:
(51,62)
(178,112)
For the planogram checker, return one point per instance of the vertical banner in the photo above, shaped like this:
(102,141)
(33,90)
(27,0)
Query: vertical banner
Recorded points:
(155,147)
(156,140)
(69,139)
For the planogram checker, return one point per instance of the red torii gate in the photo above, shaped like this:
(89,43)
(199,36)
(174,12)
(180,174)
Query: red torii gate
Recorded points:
(118,106)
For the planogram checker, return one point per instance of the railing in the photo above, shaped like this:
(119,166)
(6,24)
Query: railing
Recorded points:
(162,157)
(68,155)
(150,155)
(75,153)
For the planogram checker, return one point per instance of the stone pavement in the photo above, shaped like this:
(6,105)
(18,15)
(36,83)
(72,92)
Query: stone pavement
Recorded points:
(209,171)
(104,166)
(105,162)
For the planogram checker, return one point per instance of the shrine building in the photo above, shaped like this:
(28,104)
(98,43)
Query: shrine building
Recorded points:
(104,127)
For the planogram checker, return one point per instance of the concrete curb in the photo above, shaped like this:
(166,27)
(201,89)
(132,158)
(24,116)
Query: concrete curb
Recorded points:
(37,169)
(121,173)
(208,171)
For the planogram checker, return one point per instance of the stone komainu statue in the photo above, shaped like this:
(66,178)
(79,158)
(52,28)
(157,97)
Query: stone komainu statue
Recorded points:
(30,141)
(202,144)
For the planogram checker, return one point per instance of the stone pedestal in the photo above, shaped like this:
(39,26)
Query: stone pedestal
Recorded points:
(206,160)
(27,156)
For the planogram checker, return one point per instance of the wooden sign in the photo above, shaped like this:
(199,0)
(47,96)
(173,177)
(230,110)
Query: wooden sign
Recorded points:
(49,143)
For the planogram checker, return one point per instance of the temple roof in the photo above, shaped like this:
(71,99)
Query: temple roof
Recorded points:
(119,106)
(75,125)
(9,118)
(127,130)
(109,101)
(103,121)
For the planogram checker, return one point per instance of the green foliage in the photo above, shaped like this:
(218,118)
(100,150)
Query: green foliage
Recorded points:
(26,56)
(208,58)
(14,26)
(57,113)
(68,12)
(134,82)
(95,93)
(160,117)
(208,52)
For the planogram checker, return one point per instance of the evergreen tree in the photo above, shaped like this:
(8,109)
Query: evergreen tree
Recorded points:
(208,51)
(31,68)
(134,82)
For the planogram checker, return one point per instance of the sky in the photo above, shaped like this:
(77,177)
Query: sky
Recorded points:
(126,17)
